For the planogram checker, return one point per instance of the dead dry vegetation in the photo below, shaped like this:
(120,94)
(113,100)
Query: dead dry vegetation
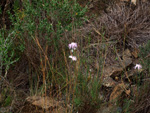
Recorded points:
(123,29)
(113,39)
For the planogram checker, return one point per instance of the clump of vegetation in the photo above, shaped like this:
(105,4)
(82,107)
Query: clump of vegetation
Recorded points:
(145,56)
(122,24)
(51,49)
(38,29)
(122,27)
(39,41)
(139,102)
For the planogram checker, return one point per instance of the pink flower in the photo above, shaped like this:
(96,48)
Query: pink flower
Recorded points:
(138,66)
(74,58)
(73,46)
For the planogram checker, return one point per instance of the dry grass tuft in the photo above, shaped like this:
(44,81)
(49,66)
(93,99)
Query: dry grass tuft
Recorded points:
(123,23)
(124,26)
(142,100)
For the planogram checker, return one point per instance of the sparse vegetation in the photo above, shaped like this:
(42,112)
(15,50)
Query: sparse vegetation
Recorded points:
(56,58)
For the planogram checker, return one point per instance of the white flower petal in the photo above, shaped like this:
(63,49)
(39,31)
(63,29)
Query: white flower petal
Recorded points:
(74,58)
(70,56)
(138,66)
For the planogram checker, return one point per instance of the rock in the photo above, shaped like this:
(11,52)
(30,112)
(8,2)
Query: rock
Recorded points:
(117,91)
(135,53)
(127,53)
(108,71)
(116,69)
(109,82)
(49,105)
(43,102)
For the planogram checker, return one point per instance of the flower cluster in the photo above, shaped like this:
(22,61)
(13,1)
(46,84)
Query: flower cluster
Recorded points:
(138,66)
(73,46)
(74,58)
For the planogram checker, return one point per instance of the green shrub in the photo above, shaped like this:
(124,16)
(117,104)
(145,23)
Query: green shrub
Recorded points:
(86,94)
(39,29)
(145,56)
(7,51)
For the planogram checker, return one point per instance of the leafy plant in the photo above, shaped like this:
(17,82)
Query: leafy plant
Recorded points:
(8,101)
(38,28)
(145,56)
(7,52)
(86,94)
